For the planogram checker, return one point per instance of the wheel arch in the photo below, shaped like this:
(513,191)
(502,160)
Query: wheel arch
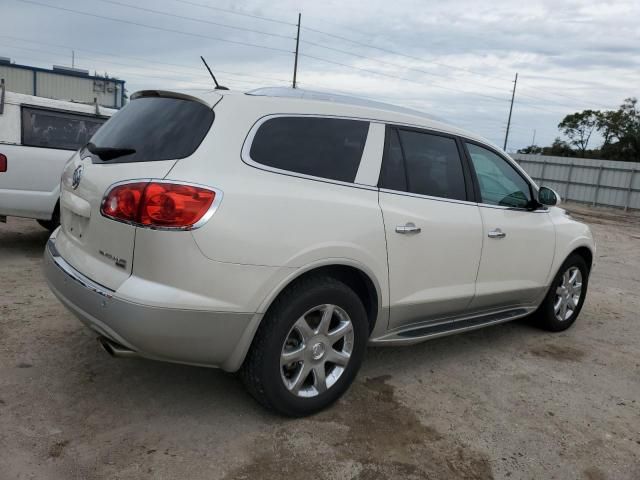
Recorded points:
(352,273)
(585,252)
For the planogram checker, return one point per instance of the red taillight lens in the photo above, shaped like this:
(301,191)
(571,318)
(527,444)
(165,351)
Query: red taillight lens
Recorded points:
(156,204)
(123,201)
(3,163)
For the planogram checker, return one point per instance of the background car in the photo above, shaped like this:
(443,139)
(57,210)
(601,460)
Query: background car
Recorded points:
(37,137)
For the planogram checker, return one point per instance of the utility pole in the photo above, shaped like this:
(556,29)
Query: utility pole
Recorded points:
(513,95)
(73,58)
(533,142)
(295,63)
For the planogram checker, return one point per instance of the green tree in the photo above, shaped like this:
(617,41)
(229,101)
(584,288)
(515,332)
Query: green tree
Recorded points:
(620,130)
(531,149)
(579,127)
(559,148)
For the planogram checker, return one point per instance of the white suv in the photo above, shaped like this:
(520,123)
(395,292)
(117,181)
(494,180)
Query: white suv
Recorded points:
(278,232)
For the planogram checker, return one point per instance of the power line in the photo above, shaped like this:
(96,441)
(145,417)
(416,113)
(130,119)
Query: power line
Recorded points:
(393,52)
(193,19)
(235,12)
(444,65)
(401,78)
(153,75)
(191,68)
(153,27)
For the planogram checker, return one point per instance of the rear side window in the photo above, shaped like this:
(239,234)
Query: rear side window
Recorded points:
(54,129)
(431,165)
(321,147)
(156,128)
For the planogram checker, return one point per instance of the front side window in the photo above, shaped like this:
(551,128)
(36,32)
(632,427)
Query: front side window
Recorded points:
(54,129)
(321,147)
(423,163)
(500,184)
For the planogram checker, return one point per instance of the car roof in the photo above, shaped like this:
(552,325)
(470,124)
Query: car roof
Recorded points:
(13,98)
(289,100)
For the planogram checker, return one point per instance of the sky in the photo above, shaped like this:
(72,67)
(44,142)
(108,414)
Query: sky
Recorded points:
(455,60)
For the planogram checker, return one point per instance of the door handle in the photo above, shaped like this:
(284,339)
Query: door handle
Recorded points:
(497,233)
(408,228)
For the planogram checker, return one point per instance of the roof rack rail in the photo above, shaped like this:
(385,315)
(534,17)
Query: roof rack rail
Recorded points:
(337,98)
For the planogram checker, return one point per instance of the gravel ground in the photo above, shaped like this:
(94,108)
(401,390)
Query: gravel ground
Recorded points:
(505,402)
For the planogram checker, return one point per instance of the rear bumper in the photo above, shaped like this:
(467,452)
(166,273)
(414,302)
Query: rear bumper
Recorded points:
(207,338)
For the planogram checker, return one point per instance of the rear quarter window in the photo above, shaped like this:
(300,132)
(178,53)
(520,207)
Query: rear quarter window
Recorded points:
(320,147)
(56,129)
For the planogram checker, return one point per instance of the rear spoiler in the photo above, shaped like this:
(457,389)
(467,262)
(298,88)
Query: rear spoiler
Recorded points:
(182,96)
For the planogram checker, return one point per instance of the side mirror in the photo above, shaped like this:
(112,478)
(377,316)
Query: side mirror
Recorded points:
(547,196)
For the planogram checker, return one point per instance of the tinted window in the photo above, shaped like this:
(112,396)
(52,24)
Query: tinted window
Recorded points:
(157,128)
(500,184)
(432,165)
(53,129)
(392,172)
(321,147)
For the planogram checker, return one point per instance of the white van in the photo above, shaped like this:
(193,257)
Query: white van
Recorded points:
(37,136)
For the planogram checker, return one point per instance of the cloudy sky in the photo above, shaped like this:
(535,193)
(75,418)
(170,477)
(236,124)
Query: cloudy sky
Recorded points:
(454,59)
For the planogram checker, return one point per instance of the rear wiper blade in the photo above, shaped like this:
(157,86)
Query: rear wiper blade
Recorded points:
(109,153)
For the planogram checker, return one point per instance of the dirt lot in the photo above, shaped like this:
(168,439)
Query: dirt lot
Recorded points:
(504,402)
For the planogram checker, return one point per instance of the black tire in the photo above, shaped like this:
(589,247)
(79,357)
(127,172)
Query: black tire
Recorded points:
(52,224)
(261,371)
(545,316)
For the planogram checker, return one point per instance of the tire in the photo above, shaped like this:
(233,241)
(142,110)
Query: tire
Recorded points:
(548,316)
(283,331)
(52,224)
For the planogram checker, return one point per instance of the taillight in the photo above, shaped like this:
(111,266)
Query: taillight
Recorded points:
(158,204)
(3,163)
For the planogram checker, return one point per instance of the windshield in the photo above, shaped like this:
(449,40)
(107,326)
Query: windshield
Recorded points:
(152,128)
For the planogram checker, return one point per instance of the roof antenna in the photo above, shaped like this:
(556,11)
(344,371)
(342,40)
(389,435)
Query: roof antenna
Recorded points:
(218,87)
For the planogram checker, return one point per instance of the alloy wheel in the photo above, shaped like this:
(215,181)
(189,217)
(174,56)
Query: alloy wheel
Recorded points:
(317,350)
(568,294)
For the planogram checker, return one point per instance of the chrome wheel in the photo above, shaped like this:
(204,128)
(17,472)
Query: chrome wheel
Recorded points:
(568,294)
(316,351)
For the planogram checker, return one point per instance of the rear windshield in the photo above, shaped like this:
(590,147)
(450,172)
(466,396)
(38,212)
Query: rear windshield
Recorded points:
(156,128)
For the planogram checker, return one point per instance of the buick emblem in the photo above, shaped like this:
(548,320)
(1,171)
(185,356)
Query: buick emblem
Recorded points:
(77,176)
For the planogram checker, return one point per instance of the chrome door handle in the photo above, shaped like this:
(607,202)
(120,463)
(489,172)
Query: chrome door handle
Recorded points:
(497,233)
(408,228)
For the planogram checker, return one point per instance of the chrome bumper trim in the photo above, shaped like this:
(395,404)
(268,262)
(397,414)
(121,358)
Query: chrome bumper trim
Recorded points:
(63,265)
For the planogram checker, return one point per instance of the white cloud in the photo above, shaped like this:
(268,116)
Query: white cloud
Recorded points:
(570,55)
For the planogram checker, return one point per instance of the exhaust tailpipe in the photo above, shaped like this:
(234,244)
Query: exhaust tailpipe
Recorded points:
(115,349)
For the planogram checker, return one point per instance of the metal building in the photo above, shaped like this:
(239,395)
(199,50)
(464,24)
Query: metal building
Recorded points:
(62,83)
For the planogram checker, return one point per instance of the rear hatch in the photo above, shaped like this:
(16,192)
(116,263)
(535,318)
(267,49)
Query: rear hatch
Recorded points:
(142,141)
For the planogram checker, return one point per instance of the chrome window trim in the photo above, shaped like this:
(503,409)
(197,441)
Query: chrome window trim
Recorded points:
(86,282)
(426,197)
(219,194)
(463,202)
(246,149)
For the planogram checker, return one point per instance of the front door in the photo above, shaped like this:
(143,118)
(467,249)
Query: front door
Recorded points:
(518,243)
(434,235)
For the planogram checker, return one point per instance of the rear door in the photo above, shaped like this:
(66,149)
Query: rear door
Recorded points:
(142,141)
(518,242)
(433,231)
